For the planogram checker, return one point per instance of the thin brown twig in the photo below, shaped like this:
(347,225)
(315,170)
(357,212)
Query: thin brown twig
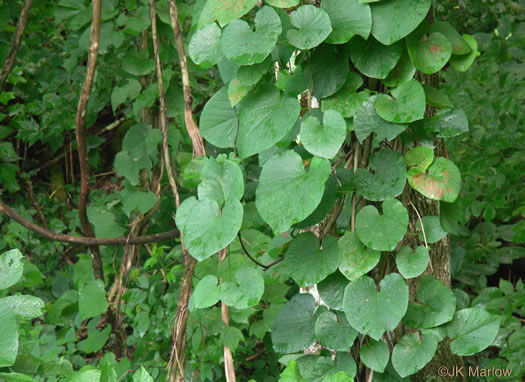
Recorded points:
(424,234)
(40,214)
(15,44)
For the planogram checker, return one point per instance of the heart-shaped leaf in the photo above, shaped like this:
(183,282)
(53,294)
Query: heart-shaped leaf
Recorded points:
(462,62)
(218,123)
(286,193)
(439,305)
(324,140)
(442,181)
(356,258)
(393,20)
(245,47)
(372,58)
(227,10)
(420,156)
(375,355)
(205,46)
(448,123)
(348,18)
(388,179)
(382,232)
(334,331)
(412,353)
(412,264)
(246,292)
(433,230)
(328,69)
(472,330)
(206,292)
(207,229)
(406,105)
(332,290)
(429,53)
(265,117)
(403,72)
(306,263)
(459,45)
(312,27)
(367,121)
(371,312)
(294,326)
(222,180)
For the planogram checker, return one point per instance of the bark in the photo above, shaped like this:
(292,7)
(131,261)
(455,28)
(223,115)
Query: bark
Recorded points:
(15,44)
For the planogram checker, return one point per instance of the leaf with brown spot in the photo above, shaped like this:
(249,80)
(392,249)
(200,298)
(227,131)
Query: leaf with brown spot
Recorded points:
(442,181)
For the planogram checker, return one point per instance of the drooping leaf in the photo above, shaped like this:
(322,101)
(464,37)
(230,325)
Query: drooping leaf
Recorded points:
(306,263)
(439,305)
(459,45)
(232,337)
(442,181)
(218,123)
(371,312)
(428,52)
(328,69)
(96,339)
(92,300)
(433,230)
(463,62)
(375,355)
(206,292)
(294,326)
(8,336)
(388,179)
(227,10)
(367,121)
(251,74)
(222,180)
(334,332)
(312,27)
(286,193)
(348,18)
(406,105)
(412,353)
(420,156)
(472,330)
(382,232)
(356,258)
(246,292)
(372,58)
(412,264)
(324,139)
(332,290)
(393,20)
(11,268)
(403,72)
(265,117)
(448,123)
(243,46)
(205,46)
(205,227)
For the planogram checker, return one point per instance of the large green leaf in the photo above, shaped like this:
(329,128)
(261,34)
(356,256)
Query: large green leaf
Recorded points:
(265,117)
(347,100)
(448,123)
(324,139)
(206,292)
(388,178)
(11,268)
(433,230)
(246,292)
(8,336)
(92,300)
(412,263)
(367,121)
(459,45)
(222,180)
(412,353)
(24,305)
(442,181)
(306,263)
(218,122)
(286,193)
(375,355)
(205,46)
(406,105)
(382,232)
(356,258)
(294,326)
(439,305)
(420,156)
(243,46)
(429,53)
(394,19)
(472,330)
(328,69)
(463,62)
(372,58)
(312,27)
(371,312)
(348,18)
(332,290)
(334,332)
(227,10)
(206,228)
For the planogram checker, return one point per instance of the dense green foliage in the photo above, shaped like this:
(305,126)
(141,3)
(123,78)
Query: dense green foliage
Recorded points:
(325,139)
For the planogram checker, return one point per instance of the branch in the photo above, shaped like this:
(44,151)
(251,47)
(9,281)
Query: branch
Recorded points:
(80,127)
(15,44)
(264,267)
(89,241)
